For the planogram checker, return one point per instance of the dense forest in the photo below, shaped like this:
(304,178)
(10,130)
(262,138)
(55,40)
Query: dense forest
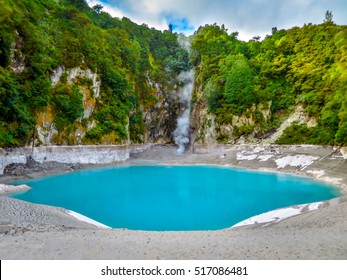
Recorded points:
(304,66)
(38,36)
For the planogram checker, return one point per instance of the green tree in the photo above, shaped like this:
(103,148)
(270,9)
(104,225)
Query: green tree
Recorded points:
(67,104)
(328,16)
(98,8)
(239,92)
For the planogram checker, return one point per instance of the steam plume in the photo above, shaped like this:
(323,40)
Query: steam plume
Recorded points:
(181,134)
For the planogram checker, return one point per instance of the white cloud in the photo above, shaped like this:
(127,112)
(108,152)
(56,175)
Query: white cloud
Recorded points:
(113,11)
(134,12)
(248,17)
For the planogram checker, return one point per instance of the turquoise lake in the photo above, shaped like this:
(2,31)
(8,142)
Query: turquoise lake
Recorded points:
(173,197)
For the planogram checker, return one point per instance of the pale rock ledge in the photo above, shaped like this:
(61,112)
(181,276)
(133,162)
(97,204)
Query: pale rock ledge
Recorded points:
(6,189)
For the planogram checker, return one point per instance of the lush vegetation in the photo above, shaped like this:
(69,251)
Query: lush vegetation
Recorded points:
(42,35)
(304,66)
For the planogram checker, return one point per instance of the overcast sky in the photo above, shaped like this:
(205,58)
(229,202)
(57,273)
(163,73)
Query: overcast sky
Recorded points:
(248,17)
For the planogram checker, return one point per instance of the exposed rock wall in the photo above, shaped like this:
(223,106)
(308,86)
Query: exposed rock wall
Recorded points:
(17,57)
(300,116)
(160,118)
(74,73)
(102,154)
(241,129)
(244,129)
(203,125)
(9,157)
(81,154)
(47,133)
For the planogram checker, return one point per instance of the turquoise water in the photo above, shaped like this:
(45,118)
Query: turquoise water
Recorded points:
(173,197)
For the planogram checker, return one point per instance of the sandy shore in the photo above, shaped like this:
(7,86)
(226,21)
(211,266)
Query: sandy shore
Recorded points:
(29,231)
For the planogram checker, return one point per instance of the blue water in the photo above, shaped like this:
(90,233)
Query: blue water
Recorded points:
(173,197)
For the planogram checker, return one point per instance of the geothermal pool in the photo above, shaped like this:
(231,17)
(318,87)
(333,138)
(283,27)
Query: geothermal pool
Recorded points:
(160,198)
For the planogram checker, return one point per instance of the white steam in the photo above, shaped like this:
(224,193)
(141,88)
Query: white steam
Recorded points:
(181,134)
(184,42)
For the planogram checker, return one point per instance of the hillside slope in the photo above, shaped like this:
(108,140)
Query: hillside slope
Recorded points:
(71,74)
(245,91)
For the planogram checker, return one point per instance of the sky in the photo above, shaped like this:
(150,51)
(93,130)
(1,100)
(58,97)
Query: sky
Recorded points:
(248,17)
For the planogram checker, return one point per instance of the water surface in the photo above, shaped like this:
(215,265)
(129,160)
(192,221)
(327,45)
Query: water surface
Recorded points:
(173,197)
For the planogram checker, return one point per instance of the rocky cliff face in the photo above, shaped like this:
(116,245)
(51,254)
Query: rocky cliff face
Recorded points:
(71,75)
(244,129)
(47,132)
(159,118)
(20,161)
